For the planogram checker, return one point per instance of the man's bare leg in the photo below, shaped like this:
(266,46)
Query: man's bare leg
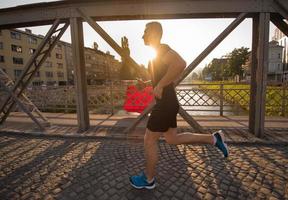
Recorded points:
(172,137)
(151,153)
(216,139)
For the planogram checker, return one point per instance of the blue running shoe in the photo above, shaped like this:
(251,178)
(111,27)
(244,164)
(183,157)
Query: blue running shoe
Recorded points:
(140,182)
(220,143)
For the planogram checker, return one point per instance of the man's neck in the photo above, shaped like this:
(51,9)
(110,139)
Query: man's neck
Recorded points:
(156,46)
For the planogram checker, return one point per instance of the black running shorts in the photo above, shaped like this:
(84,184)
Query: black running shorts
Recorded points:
(164,113)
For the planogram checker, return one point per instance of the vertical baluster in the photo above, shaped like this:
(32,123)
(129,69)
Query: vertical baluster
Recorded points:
(221,99)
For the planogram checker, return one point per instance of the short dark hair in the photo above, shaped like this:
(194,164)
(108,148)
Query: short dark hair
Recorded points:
(156,27)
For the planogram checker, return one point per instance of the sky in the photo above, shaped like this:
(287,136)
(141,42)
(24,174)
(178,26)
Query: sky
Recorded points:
(189,37)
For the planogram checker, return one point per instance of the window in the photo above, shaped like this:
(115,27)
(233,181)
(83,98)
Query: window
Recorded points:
(32,40)
(31,51)
(50,83)
(48,64)
(17,60)
(17,72)
(88,57)
(2,59)
(60,74)
(49,74)
(16,48)
(1,45)
(37,74)
(279,55)
(15,35)
(58,55)
(60,65)
(37,83)
(59,46)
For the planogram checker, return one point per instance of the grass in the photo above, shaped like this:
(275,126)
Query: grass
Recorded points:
(239,94)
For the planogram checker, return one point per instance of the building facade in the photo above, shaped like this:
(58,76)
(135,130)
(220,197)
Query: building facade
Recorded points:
(16,48)
(275,64)
(283,41)
(275,67)
(100,67)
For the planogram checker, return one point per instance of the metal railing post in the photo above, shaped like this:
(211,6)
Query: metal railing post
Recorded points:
(112,97)
(283,100)
(221,99)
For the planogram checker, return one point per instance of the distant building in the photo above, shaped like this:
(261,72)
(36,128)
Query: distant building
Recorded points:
(16,48)
(275,65)
(100,67)
(208,77)
(282,39)
(275,69)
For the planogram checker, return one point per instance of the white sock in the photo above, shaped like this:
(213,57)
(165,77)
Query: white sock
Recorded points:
(150,181)
(214,140)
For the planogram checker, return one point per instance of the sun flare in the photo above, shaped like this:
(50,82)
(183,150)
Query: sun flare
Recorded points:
(150,54)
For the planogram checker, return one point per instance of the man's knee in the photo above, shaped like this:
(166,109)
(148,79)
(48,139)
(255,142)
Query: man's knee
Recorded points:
(171,136)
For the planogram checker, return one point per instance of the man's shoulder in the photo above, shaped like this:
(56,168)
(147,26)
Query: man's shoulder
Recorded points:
(164,49)
(169,55)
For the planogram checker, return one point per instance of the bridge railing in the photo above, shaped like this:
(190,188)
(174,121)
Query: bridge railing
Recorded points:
(197,99)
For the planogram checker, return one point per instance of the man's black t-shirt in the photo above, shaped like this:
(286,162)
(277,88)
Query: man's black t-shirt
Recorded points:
(157,69)
(164,112)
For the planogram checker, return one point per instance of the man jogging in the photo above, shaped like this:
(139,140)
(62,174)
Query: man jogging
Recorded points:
(164,70)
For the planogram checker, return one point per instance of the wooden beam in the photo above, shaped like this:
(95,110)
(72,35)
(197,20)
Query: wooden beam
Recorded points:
(109,40)
(281,7)
(45,13)
(279,23)
(192,122)
(31,67)
(254,65)
(203,55)
(260,74)
(80,73)
(211,46)
(140,117)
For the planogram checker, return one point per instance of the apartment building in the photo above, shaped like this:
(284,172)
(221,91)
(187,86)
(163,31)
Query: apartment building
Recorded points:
(275,64)
(16,48)
(100,67)
(282,39)
(275,67)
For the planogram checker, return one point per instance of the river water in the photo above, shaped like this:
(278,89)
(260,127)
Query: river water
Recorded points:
(196,102)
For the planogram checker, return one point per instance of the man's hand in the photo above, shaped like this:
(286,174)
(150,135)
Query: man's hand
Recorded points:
(158,92)
(140,84)
(125,46)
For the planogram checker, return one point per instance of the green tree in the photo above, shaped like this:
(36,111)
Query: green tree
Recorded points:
(194,76)
(228,66)
(237,58)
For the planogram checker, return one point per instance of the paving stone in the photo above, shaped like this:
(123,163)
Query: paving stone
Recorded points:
(92,169)
(90,197)
(57,190)
(173,188)
(179,194)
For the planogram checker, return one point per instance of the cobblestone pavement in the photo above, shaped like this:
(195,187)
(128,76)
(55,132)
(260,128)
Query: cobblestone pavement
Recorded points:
(54,168)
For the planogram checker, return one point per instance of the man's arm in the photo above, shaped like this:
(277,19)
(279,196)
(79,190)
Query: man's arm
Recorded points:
(176,66)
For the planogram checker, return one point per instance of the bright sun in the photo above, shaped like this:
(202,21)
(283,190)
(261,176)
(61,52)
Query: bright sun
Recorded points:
(150,53)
